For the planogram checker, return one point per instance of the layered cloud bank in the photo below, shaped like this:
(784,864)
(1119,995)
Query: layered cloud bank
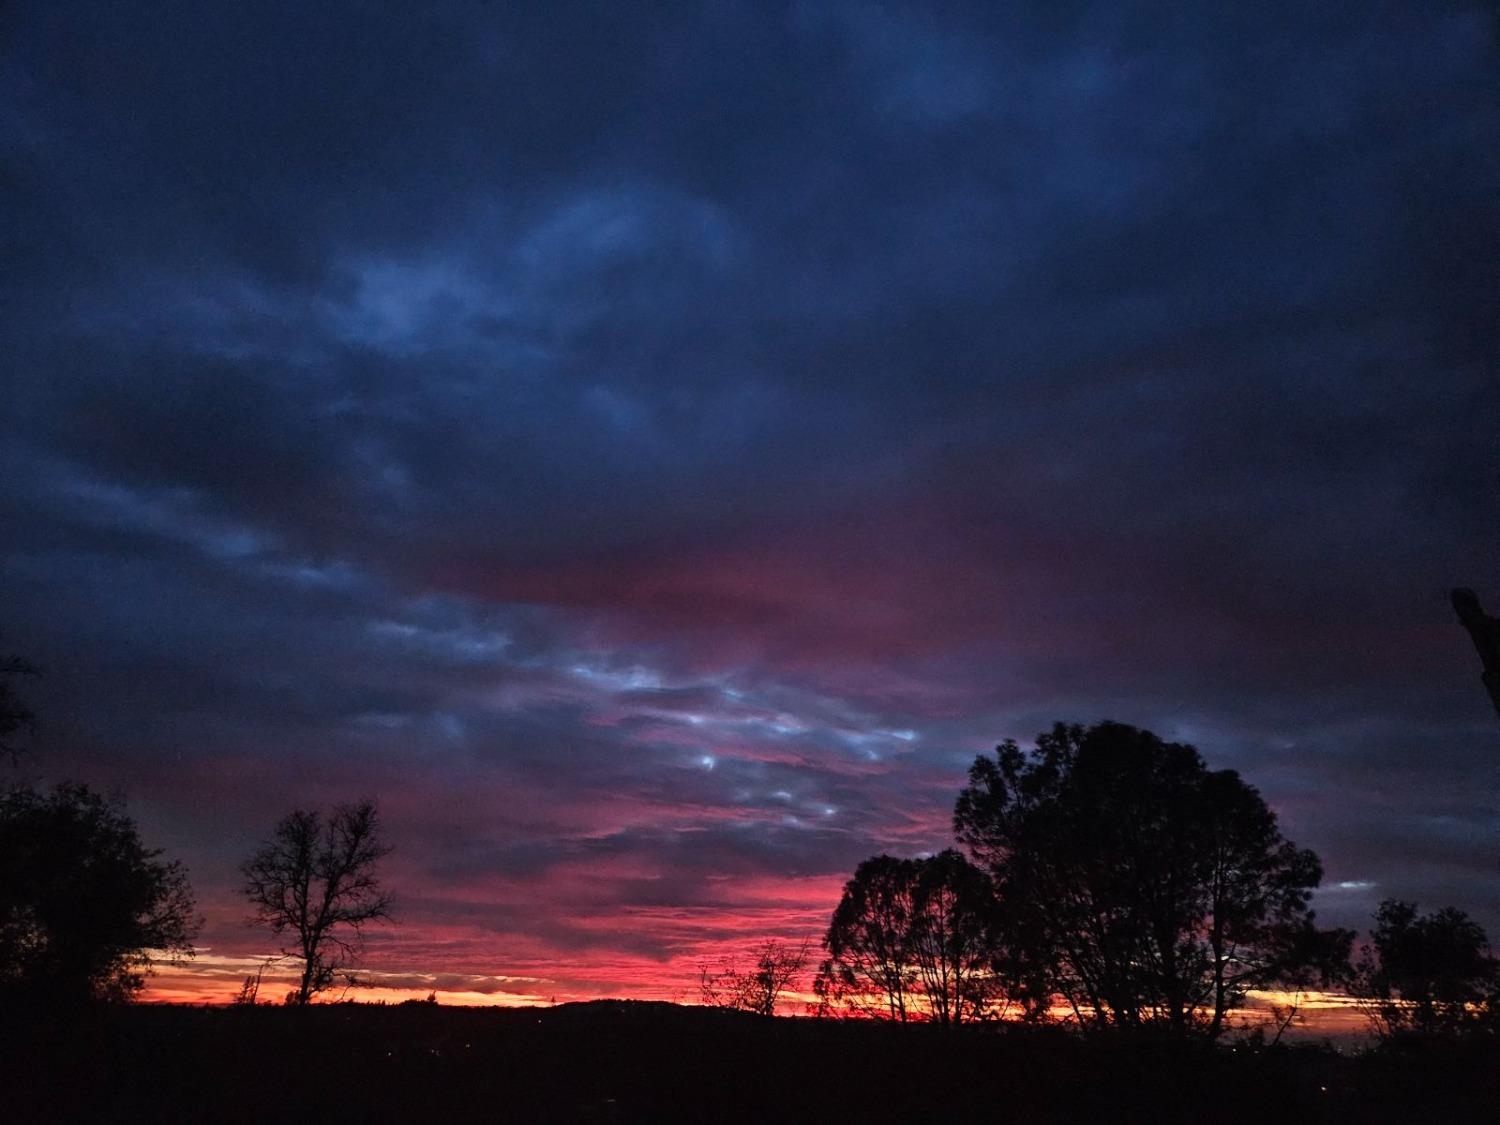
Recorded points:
(652,454)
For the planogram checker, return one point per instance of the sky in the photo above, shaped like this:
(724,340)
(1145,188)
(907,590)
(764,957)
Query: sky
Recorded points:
(652,449)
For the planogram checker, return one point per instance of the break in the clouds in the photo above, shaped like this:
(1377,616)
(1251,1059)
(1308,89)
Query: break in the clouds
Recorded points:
(652,451)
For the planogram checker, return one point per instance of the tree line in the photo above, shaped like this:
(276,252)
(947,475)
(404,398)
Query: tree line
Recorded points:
(86,907)
(1106,877)
(1110,879)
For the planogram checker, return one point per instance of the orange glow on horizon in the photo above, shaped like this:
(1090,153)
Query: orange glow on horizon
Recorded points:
(214,980)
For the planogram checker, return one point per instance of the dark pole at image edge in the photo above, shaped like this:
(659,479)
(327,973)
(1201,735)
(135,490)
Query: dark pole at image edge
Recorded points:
(1485,630)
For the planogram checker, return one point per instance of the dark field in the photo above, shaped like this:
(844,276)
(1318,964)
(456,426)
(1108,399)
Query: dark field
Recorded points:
(619,1061)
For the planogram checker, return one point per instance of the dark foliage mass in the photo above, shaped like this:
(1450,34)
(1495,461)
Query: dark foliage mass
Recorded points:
(83,902)
(1429,974)
(1118,876)
(1140,886)
(913,939)
(316,883)
(634,1062)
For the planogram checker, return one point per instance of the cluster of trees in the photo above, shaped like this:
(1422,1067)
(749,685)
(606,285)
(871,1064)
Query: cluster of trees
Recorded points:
(1115,877)
(86,908)
(913,938)
(1428,974)
(1106,873)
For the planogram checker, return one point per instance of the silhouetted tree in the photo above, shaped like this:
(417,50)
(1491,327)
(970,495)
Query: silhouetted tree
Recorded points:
(249,993)
(1138,884)
(1429,974)
(913,939)
(316,881)
(758,989)
(871,965)
(84,904)
(953,938)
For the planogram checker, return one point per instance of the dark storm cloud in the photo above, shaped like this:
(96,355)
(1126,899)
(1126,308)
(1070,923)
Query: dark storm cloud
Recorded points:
(677,441)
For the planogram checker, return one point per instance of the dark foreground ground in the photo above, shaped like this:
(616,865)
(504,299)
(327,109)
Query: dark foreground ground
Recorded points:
(619,1061)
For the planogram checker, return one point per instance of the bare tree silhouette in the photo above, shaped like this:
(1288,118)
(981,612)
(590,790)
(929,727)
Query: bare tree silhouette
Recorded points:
(249,993)
(316,881)
(758,989)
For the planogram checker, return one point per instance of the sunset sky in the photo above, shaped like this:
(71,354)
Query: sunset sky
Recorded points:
(651,450)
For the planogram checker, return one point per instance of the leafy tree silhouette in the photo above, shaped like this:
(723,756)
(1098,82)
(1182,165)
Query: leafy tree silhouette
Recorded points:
(316,881)
(83,903)
(913,939)
(870,965)
(1139,886)
(1429,974)
(954,938)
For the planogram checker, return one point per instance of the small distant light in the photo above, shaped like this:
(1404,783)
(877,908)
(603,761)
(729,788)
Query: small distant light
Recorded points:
(708,761)
(829,810)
